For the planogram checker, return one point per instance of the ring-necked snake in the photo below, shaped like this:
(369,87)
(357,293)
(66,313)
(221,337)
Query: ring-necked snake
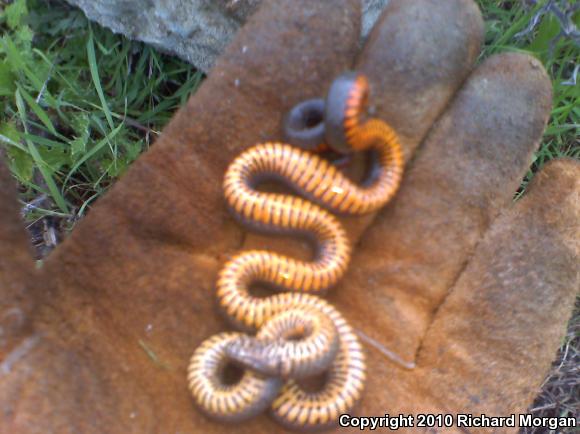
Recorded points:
(298,334)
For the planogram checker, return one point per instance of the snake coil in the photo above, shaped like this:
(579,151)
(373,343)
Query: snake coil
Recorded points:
(298,334)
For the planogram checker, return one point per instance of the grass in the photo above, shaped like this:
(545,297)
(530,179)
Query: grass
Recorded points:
(80,104)
(508,29)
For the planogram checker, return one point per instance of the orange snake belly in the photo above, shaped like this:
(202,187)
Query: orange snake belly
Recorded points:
(298,333)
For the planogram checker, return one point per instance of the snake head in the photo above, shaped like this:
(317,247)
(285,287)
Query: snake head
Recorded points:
(331,123)
(258,355)
(344,108)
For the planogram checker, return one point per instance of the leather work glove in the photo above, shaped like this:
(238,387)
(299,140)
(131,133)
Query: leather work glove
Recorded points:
(463,296)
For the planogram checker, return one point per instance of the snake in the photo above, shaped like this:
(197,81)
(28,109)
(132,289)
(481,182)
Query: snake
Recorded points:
(298,335)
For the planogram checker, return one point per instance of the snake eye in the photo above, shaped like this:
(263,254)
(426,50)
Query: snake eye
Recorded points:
(304,124)
(345,105)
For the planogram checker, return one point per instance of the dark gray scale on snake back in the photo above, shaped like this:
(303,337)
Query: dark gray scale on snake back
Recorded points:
(297,343)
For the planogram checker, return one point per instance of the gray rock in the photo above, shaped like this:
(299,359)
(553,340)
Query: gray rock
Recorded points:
(195,30)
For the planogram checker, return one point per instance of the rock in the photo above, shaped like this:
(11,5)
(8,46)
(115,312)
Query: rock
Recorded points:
(195,30)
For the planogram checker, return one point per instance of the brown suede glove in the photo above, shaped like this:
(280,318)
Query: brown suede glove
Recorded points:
(450,277)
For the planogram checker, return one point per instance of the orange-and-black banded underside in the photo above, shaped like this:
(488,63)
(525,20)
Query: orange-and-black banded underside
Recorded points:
(298,333)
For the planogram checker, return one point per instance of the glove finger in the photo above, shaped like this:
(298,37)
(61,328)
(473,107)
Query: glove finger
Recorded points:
(495,336)
(16,267)
(416,57)
(468,169)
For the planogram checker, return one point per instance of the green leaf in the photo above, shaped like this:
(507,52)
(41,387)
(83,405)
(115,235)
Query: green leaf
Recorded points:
(547,31)
(15,13)
(6,80)
(100,145)
(9,130)
(21,165)
(24,36)
(78,147)
(8,141)
(18,63)
(115,167)
(54,158)
(133,149)
(80,123)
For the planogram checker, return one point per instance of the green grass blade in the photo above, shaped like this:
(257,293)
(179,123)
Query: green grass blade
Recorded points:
(96,79)
(38,111)
(44,141)
(94,150)
(10,142)
(42,166)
